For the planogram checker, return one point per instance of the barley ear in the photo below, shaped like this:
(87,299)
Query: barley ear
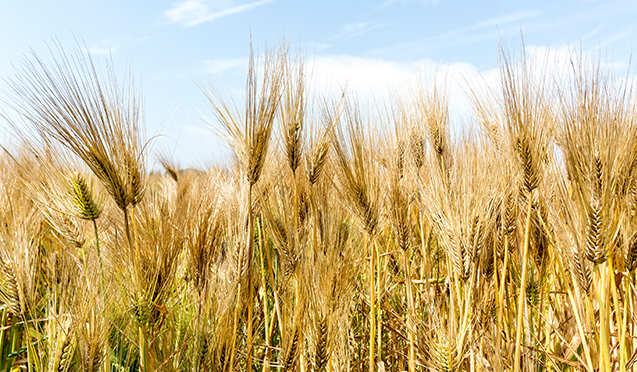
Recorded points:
(86,204)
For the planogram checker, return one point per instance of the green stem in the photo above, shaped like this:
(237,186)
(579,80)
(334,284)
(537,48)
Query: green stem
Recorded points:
(2,333)
(15,337)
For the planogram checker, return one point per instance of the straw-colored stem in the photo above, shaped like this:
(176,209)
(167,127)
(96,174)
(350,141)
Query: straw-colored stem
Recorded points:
(379,308)
(277,306)
(500,292)
(99,257)
(266,313)
(604,336)
(250,245)
(623,357)
(627,303)
(128,235)
(582,332)
(144,359)
(411,313)
(372,305)
(135,238)
(522,295)
(235,325)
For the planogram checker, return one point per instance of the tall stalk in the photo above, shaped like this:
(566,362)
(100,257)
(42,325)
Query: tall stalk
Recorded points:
(372,303)
(522,295)
(250,245)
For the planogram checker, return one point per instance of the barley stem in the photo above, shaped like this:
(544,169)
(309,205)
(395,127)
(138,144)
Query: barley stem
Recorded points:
(522,295)
(618,315)
(372,304)
(411,313)
(99,256)
(604,341)
(250,244)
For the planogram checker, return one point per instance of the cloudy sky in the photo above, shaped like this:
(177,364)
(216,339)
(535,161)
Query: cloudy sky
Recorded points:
(372,46)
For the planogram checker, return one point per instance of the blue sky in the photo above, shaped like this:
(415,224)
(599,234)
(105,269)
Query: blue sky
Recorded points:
(371,45)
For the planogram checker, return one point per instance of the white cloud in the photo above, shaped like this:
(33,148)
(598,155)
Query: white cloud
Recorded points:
(356,29)
(219,65)
(463,35)
(616,37)
(199,131)
(102,51)
(500,20)
(106,47)
(194,12)
(374,81)
(423,2)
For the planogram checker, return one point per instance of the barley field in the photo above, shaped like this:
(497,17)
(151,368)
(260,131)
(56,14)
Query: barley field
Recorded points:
(338,238)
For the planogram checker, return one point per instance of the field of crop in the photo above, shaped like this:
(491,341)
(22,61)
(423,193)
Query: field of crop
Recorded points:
(341,238)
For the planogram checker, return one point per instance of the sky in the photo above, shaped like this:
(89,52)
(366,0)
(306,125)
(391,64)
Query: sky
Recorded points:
(176,48)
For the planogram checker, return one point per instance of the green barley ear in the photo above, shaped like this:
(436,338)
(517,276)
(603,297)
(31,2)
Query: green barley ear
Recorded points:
(87,205)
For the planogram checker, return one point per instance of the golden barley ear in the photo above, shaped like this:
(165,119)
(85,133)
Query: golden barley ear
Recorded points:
(10,293)
(359,177)
(595,250)
(70,231)
(249,134)
(293,112)
(487,260)
(630,260)
(135,179)
(581,269)
(418,148)
(529,169)
(90,114)
(316,161)
(321,356)
(172,170)
(292,351)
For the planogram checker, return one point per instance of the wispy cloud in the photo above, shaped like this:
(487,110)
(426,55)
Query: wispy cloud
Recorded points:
(616,37)
(219,65)
(595,30)
(106,47)
(200,131)
(498,21)
(465,34)
(356,29)
(387,3)
(103,51)
(195,12)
